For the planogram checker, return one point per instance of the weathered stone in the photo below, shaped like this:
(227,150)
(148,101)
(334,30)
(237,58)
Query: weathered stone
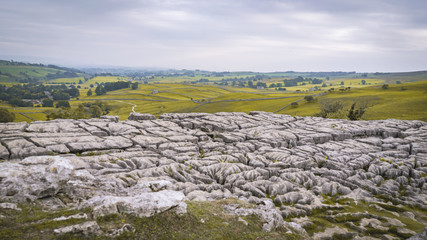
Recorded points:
(141,116)
(12,206)
(111,118)
(420,236)
(86,229)
(130,166)
(142,205)
(4,153)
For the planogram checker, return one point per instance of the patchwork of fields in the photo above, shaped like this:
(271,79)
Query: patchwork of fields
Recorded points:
(181,94)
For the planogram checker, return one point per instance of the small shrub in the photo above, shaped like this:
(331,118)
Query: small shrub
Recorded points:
(330,108)
(294,105)
(309,98)
(6,116)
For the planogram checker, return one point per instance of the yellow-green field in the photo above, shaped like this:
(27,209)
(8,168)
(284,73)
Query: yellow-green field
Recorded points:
(65,80)
(402,101)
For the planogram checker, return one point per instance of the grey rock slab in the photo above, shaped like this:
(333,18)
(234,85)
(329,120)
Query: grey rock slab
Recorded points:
(55,126)
(4,153)
(20,148)
(141,116)
(12,127)
(111,118)
(90,228)
(58,148)
(34,177)
(420,236)
(149,141)
(109,142)
(55,140)
(142,205)
(12,206)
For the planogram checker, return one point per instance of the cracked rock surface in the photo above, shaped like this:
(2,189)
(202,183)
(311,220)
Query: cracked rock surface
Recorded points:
(292,162)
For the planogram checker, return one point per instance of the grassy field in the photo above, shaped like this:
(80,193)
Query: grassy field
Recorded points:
(65,80)
(400,101)
(22,72)
(172,93)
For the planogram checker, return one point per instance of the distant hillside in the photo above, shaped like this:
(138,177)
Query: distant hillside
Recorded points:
(406,76)
(11,71)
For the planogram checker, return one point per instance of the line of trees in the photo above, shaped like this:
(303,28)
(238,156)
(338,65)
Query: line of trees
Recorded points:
(295,81)
(82,111)
(15,94)
(103,88)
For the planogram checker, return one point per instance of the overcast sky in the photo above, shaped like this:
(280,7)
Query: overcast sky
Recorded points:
(220,35)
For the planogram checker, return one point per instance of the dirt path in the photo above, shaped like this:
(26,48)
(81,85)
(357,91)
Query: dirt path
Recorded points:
(133,105)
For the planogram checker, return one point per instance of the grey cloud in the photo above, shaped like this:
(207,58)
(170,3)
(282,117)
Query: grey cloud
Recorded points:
(221,35)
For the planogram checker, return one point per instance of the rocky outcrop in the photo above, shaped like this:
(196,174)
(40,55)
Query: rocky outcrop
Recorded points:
(294,162)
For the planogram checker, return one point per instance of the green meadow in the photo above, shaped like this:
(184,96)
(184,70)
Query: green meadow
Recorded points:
(400,101)
(185,93)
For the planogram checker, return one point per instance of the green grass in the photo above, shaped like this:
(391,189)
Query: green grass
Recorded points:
(33,222)
(177,97)
(66,80)
(390,103)
(245,106)
(203,220)
(15,72)
(322,220)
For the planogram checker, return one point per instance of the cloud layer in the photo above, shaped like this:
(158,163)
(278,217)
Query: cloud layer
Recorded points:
(268,35)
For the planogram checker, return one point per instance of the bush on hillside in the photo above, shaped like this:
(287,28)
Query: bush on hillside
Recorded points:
(6,116)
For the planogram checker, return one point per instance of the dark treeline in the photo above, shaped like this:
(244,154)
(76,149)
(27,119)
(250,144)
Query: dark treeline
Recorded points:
(15,94)
(103,88)
(82,111)
(295,81)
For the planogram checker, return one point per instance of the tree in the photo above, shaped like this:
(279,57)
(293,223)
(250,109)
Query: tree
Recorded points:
(324,85)
(385,86)
(330,108)
(6,116)
(134,85)
(294,105)
(250,84)
(363,82)
(58,95)
(309,98)
(316,81)
(99,90)
(355,114)
(63,103)
(80,81)
(89,93)
(342,82)
(95,111)
(47,102)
